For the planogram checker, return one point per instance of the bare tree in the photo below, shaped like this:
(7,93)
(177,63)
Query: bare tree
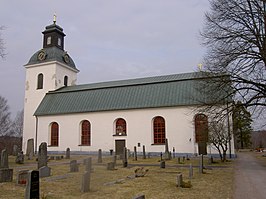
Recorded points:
(234,34)
(219,137)
(17,125)
(2,46)
(5,121)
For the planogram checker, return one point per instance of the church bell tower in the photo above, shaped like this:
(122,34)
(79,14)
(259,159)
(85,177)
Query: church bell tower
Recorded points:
(48,69)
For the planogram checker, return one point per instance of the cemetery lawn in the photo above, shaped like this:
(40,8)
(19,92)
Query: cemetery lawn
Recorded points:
(120,183)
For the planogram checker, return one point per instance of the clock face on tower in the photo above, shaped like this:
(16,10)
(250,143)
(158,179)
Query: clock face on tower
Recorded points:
(66,58)
(41,55)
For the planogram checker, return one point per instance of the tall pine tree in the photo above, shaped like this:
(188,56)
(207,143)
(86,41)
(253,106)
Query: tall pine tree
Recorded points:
(242,125)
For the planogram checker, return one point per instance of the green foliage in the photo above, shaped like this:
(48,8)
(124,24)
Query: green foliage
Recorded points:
(242,125)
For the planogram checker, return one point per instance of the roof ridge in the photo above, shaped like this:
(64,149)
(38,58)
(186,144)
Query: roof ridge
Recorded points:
(130,82)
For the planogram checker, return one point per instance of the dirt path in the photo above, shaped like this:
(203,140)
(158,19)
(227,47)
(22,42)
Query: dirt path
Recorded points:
(250,177)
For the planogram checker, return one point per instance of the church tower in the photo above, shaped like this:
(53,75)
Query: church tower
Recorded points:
(48,69)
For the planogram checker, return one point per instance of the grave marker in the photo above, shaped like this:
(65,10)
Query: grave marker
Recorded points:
(30,149)
(85,184)
(125,157)
(22,177)
(20,158)
(135,153)
(44,171)
(6,175)
(74,167)
(4,159)
(68,153)
(33,186)
(100,159)
(144,153)
(42,155)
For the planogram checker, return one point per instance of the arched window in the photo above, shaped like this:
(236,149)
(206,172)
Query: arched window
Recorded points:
(159,130)
(201,128)
(86,133)
(65,80)
(49,40)
(54,134)
(40,81)
(120,127)
(59,42)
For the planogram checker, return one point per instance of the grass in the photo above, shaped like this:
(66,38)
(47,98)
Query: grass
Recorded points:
(158,183)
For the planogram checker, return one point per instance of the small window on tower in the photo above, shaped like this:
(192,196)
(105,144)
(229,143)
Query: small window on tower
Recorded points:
(49,40)
(59,41)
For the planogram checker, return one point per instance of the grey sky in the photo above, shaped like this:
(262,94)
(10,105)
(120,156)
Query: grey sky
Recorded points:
(107,39)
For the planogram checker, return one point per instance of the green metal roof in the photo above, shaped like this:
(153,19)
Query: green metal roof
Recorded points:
(151,92)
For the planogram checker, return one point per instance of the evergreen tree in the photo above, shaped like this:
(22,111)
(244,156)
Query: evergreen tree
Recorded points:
(242,125)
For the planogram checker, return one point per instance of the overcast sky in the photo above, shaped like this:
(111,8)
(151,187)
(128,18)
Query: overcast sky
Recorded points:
(107,39)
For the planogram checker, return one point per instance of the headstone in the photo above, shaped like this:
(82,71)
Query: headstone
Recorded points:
(85,184)
(15,150)
(52,157)
(161,156)
(135,153)
(125,157)
(179,180)
(111,152)
(162,164)
(6,175)
(190,171)
(141,172)
(44,171)
(110,166)
(139,197)
(167,154)
(114,160)
(178,160)
(201,163)
(100,159)
(20,158)
(144,153)
(42,155)
(30,149)
(88,162)
(4,159)
(184,159)
(22,177)
(173,152)
(68,153)
(74,167)
(33,186)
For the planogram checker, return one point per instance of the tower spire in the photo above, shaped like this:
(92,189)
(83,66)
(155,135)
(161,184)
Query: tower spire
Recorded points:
(54,18)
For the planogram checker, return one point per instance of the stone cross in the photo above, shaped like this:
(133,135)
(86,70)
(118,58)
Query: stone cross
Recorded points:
(42,155)
(4,159)
(68,153)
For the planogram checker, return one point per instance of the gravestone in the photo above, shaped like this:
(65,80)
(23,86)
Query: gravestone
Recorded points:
(179,180)
(167,155)
(144,152)
(33,186)
(125,161)
(184,159)
(201,163)
(85,183)
(139,197)
(162,164)
(114,160)
(190,171)
(173,152)
(68,153)
(135,153)
(22,177)
(178,160)
(4,159)
(100,159)
(110,166)
(20,158)
(74,167)
(30,149)
(6,175)
(44,171)
(15,150)
(88,162)
(42,155)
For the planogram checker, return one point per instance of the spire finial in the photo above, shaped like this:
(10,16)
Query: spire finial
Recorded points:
(200,66)
(54,18)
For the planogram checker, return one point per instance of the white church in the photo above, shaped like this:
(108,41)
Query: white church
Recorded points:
(109,115)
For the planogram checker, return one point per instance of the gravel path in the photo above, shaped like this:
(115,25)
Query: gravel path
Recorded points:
(250,177)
